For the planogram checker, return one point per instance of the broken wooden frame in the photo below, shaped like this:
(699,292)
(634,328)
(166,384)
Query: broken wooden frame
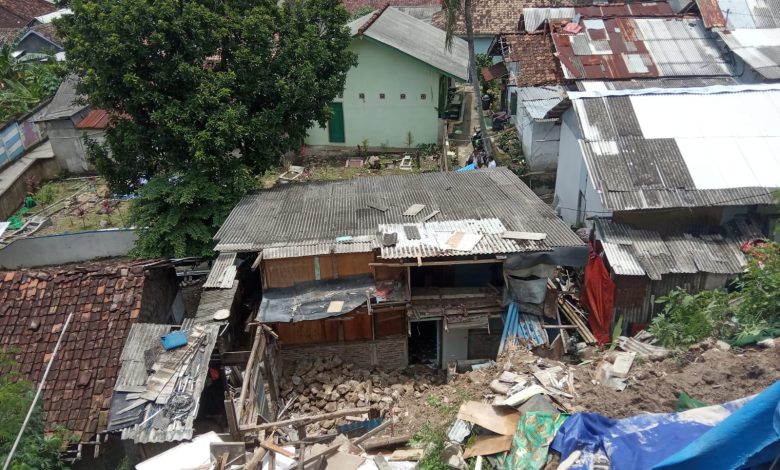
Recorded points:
(259,398)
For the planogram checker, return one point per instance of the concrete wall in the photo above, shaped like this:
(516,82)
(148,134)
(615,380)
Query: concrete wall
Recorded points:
(67,248)
(13,198)
(390,352)
(540,141)
(572,177)
(386,122)
(68,143)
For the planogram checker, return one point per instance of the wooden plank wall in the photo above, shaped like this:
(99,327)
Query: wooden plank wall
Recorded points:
(287,272)
(355,326)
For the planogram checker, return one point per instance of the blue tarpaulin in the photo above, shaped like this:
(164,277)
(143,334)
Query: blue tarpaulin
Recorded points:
(747,438)
(469,167)
(638,442)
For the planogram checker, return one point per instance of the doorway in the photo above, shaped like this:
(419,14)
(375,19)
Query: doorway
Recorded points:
(336,132)
(425,342)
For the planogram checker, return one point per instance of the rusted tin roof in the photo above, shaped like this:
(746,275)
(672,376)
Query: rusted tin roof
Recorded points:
(711,14)
(95,119)
(624,48)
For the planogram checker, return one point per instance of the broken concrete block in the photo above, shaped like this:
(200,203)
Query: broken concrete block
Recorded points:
(452,455)
(767,343)
(622,364)
(508,377)
(499,387)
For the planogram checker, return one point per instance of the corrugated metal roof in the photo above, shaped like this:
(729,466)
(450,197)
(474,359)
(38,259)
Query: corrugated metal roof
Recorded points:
(540,101)
(688,82)
(759,48)
(302,214)
(736,14)
(64,104)
(212,300)
(533,18)
(221,275)
(186,379)
(95,119)
(640,156)
(633,252)
(434,235)
(132,372)
(415,38)
(623,48)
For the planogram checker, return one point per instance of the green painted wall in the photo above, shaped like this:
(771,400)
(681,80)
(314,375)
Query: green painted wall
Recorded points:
(387,121)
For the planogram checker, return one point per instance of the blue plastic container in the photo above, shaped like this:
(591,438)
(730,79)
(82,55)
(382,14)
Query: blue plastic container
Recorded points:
(173,340)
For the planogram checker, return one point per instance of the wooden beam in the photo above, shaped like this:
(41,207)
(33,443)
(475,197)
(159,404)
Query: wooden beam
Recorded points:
(380,442)
(257,348)
(232,419)
(304,420)
(359,440)
(438,263)
(278,449)
(235,358)
(257,456)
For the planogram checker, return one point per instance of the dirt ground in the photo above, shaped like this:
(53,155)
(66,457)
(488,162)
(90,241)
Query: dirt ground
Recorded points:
(704,372)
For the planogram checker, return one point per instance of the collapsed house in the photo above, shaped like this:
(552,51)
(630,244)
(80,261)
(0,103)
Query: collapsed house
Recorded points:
(92,307)
(392,270)
(673,196)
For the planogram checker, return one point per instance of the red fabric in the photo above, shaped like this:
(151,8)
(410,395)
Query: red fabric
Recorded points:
(598,296)
(213,374)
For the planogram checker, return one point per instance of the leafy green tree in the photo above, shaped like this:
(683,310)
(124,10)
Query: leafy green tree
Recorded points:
(203,94)
(25,84)
(35,451)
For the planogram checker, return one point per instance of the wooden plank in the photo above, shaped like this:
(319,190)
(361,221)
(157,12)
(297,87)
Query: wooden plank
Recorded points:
(371,433)
(488,445)
(380,442)
(535,236)
(235,358)
(230,411)
(304,420)
(278,449)
(258,348)
(407,454)
(500,420)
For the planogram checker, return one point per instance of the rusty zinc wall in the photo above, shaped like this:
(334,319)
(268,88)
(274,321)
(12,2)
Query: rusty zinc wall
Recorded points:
(286,272)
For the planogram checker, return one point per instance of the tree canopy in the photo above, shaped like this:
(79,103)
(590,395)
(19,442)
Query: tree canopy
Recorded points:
(203,95)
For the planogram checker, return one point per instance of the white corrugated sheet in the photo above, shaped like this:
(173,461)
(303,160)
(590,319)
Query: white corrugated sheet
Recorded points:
(534,17)
(681,47)
(538,101)
(728,140)
(759,48)
(434,236)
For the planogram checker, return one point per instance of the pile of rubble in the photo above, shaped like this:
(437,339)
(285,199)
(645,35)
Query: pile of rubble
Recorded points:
(328,384)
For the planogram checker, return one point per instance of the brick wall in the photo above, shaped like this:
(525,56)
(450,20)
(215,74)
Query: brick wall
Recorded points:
(390,352)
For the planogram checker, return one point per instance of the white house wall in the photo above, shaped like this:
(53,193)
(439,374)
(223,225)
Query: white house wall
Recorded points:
(572,177)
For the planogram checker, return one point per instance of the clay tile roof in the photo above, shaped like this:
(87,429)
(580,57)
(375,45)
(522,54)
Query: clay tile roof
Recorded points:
(535,54)
(105,299)
(493,17)
(8,35)
(355,5)
(18,13)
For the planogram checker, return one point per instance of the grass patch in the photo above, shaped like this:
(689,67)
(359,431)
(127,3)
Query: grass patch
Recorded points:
(432,439)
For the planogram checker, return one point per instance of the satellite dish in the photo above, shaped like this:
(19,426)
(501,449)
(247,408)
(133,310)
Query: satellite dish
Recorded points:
(222,314)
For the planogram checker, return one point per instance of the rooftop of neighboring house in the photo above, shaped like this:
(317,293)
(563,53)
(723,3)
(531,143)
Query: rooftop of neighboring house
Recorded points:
(634,47)
(491,17)
(415,38)
(534,54)
(19,13)
(355,5)
(95,119)
(65,102)
(304,219)
(105,299)
(718,148)
(47,31)
(9,35)
(634,252)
